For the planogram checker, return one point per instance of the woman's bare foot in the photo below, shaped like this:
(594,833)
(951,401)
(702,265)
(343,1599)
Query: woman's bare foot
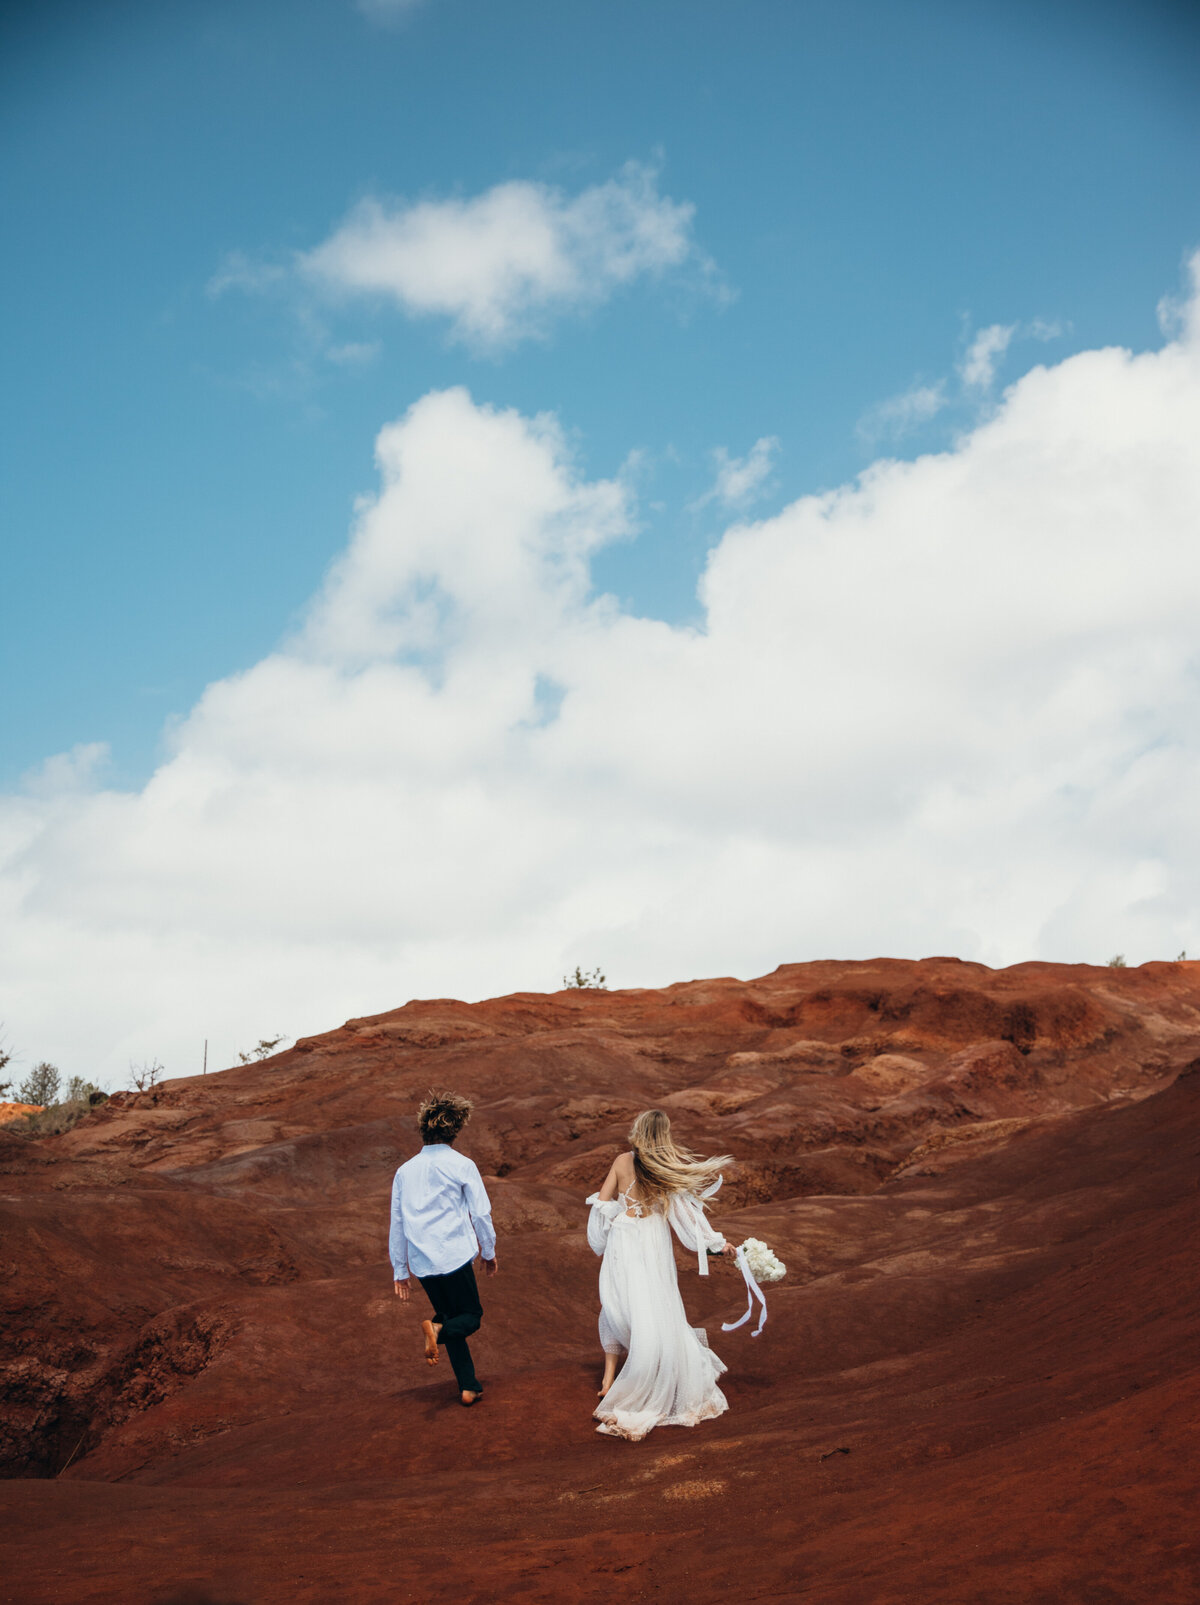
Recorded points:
(609,1377)
(431,1344)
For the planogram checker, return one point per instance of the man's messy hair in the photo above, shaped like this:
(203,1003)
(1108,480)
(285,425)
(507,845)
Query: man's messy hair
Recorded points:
(442,1116)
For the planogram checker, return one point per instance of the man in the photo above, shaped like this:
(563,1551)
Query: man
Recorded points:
(442,1218)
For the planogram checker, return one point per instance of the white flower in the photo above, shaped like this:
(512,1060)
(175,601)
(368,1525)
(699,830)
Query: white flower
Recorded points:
(765,1266)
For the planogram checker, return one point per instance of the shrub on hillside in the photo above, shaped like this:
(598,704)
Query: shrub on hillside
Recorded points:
(58,1118)
(146,1075)
(266,1047)
(41,1085)
(593,979)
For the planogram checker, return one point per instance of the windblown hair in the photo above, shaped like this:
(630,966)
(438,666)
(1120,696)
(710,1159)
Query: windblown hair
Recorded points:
(442,1116)
(662,1167)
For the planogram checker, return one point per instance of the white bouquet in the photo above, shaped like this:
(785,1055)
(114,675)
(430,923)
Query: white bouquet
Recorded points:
(757,1264)
(765,1265)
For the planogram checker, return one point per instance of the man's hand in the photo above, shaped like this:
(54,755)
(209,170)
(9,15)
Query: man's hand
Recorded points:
(402,1290)
(490,1267)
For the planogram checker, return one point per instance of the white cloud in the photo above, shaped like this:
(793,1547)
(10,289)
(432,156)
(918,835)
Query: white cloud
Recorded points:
(899,415)
(741,480)
(241,272)
(353,353)
(954,707)
(500,265)
(67,772)
(1179,315)
(388,10)
(978,368)
(1045,329)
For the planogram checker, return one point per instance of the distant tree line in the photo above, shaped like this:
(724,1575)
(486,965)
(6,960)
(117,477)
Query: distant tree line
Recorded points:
(44,1086)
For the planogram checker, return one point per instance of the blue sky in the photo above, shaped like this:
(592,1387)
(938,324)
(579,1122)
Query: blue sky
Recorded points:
(678,488)
(872,182)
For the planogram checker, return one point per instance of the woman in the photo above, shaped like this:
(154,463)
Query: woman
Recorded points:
(669,1378)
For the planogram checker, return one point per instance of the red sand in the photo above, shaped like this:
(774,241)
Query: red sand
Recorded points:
(979,1382)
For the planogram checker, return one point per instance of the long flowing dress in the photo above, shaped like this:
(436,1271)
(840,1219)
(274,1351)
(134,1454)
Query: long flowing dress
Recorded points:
(669,1378)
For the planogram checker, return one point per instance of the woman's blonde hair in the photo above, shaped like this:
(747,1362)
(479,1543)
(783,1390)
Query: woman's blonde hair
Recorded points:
(662,1167)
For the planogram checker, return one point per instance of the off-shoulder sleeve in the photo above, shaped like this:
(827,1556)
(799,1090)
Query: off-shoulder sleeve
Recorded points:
(600,1221)
(690,1224)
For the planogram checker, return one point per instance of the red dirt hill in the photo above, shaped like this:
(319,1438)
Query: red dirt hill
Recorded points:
(979,1382)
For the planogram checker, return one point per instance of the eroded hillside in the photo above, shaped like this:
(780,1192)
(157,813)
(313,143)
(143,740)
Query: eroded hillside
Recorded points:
(977,1382)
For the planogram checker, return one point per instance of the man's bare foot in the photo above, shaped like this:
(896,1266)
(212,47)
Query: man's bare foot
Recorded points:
(469,1398)
(431,1346)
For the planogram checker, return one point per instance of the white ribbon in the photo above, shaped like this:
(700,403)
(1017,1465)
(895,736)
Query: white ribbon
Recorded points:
(753,1291)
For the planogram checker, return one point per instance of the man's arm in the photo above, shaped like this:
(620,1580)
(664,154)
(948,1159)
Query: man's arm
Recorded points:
(398,1243)
(479,1205)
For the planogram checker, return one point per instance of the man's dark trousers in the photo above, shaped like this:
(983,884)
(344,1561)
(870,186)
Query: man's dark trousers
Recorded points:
(457,1310)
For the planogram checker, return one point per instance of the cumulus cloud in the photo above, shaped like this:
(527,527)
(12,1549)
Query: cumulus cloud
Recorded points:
(741,480)
(951,707)
(500,265)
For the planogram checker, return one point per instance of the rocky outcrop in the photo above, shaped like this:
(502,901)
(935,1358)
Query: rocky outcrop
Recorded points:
(18,1111)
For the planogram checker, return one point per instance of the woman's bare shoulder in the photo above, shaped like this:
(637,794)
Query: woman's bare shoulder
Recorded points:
(620,1178)
(623,1167)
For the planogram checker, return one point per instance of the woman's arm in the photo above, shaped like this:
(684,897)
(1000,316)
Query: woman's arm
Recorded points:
(609,1191)
(605,1209)
(691,1225)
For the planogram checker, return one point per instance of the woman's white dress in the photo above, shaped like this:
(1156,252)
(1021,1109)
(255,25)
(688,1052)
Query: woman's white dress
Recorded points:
(669,1378)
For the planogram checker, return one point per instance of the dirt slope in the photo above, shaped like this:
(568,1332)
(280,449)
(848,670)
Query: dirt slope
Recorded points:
(979,1382)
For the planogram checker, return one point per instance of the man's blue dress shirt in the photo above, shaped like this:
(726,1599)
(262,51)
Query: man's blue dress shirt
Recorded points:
(441,1214)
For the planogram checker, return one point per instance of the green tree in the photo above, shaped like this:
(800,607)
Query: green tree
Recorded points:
(1117,962)
(79,1090)
(5,1060)
(41,1085)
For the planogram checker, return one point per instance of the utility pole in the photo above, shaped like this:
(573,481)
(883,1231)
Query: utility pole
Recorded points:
(205,1071)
